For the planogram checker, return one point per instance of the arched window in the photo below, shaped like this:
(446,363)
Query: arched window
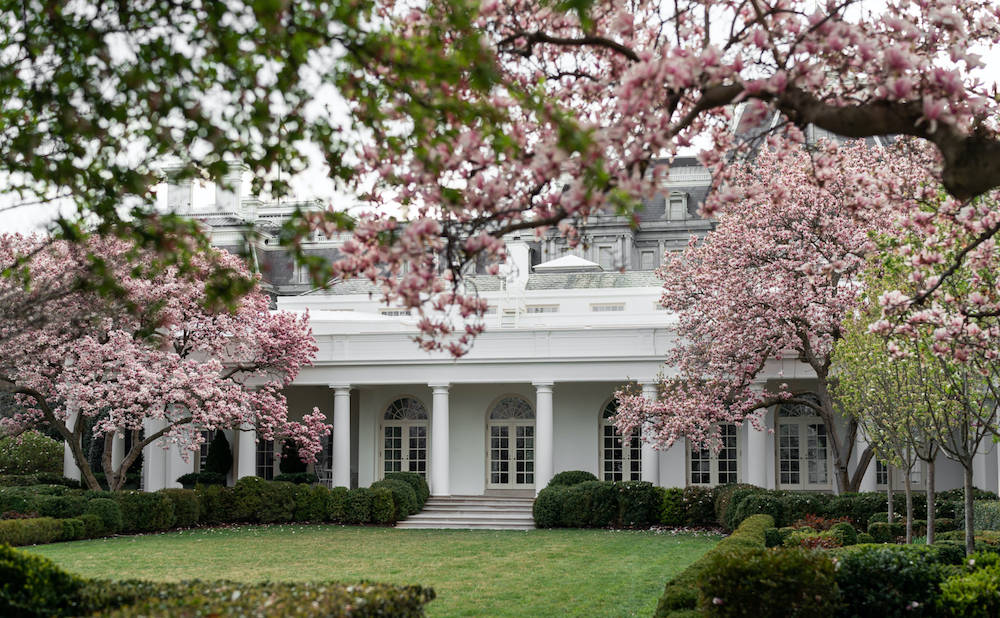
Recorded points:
(511,434)
(620,460)
(803,446)
(404,437)
(708,467)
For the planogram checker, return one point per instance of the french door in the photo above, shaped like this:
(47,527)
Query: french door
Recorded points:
(511,455)
(404,447)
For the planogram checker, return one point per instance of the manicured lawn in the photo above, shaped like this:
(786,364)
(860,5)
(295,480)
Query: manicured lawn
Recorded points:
(475,573)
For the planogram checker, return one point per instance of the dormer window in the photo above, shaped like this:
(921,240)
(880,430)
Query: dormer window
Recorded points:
(677,206)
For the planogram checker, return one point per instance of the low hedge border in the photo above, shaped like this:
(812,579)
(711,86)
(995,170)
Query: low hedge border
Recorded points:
(681,593)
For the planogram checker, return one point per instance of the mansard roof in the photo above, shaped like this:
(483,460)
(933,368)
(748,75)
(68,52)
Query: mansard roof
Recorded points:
(579,281)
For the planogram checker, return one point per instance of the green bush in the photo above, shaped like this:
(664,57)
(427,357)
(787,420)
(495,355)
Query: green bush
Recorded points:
(883,516)
(859,507)
(41,478)
(722,498)
(248,498)
(762,583)
(603,503)
(638,503)
(884,532)
(144,512)
(31,453)
(193,479)
(290,462)
(547,508)
(216,504)
(773,538)
(889,580)
(92,525)
(986,515)
(672,507)
(186,506)
(384,507)
(796,505)
(571,477)
(681,593)
(278,502)
(575,510)
(403,496)
(220,457)
(222,598)
(699,506)
(299,478)
(337,510)
(845,533)
(417,482)
(358,506)
(312,503)
(972,595)
(33,531)
(109,512)
(60,507)
(34,586)
(949,552)
(864,537)
(945,524)
(72,529)
(746,503)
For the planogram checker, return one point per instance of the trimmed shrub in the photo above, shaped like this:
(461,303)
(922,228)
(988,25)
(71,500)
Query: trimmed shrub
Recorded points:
(186,507)
(312,503)
(34,531)
(109,512)
(574,512)
(986,515)
(950,552)
(972,595)
(277,503)
(384,507)
(34,586)
(216,504)
(290,462)
(248,498)
(859,507)
(786,582)
(417,482)
(945,524)
(72,529)
(864,537)
(358,506)
(31,453)
(889,580)
(220,457)
(603,503)
(41,478)
(144,512)
(337,508)
(672,507)
(93,527)
(547,508)
(812,540)
(193,479)
(60,507)
(796,505)
(845,533)
(681,592)
(699,506)
(773,538)
(722,498)
(298,478)
(638,503)
(571,477)
(749,502)
(884,532)
(403,496)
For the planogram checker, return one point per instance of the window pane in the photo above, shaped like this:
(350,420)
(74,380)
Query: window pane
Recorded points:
(788,454)
(816,454)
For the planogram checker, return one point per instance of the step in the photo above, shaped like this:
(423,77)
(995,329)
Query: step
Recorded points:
(424,515)
(473,512)
(463,525)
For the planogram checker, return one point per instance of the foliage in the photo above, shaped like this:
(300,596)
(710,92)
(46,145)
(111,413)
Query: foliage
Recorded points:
(34,586)
(108,511)
(681,592)
(417,482)
(599,504)
(403,496)
(889,580)
(699,507)
(672,508)
(972,595)
(191,479)
(312,503)
(299,478)
(338,505)
(217,504)
(145,512)
(384,507)
(753,503)
(722,497)
(845,533)
(639,503)
(59,507)
(220,456)
(986,515)
(788,582)
(32,531)
(358,506)
(186,506)
(93,526)
(31,453)
(572,477)
(819,522)
(885,532)
(291,462)
(72,529)
(547,507)
(24,480)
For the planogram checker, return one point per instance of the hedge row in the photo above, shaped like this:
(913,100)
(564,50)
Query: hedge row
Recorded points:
(599,504)
(30,453)
(34,586)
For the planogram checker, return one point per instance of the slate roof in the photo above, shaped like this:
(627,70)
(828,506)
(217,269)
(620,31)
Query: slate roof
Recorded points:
(364,286)
(580,281)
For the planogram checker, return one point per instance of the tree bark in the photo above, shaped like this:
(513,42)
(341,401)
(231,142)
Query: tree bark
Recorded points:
(888,493)
(908,488)
(930,501)
(970,533)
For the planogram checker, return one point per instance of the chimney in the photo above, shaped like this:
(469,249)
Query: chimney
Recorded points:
(229,189)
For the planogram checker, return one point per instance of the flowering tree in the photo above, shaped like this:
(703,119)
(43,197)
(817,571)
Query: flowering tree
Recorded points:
(480,118)
(169,365)
(774,280)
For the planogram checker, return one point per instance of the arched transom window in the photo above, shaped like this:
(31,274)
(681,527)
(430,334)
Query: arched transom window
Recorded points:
(620,460)
(511,431)
(803,446)
(404,436)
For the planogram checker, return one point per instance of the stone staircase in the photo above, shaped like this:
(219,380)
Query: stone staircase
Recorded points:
(472,512)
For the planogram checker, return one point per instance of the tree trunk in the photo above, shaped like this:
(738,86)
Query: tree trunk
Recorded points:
(970,533)
(908,488)
(930,501)
(888,493)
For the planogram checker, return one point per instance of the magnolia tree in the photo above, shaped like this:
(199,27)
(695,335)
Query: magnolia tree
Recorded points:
(894,399)
(479,118)
(773,281)
(163,371)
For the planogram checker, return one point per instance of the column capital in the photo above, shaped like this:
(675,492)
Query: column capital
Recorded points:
(439,387)
(543,385)
(340,387)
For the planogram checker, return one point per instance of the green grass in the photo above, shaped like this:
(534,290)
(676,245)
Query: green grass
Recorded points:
(474,572)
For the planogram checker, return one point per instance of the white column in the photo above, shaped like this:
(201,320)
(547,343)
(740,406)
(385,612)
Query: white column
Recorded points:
(757,448)
(70,469)
(440,442)
(154,458)
(175,465)
(117,450)
(868,480)
(980,470)
(650,456)
(246,451)
(544,454)
(341,435)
